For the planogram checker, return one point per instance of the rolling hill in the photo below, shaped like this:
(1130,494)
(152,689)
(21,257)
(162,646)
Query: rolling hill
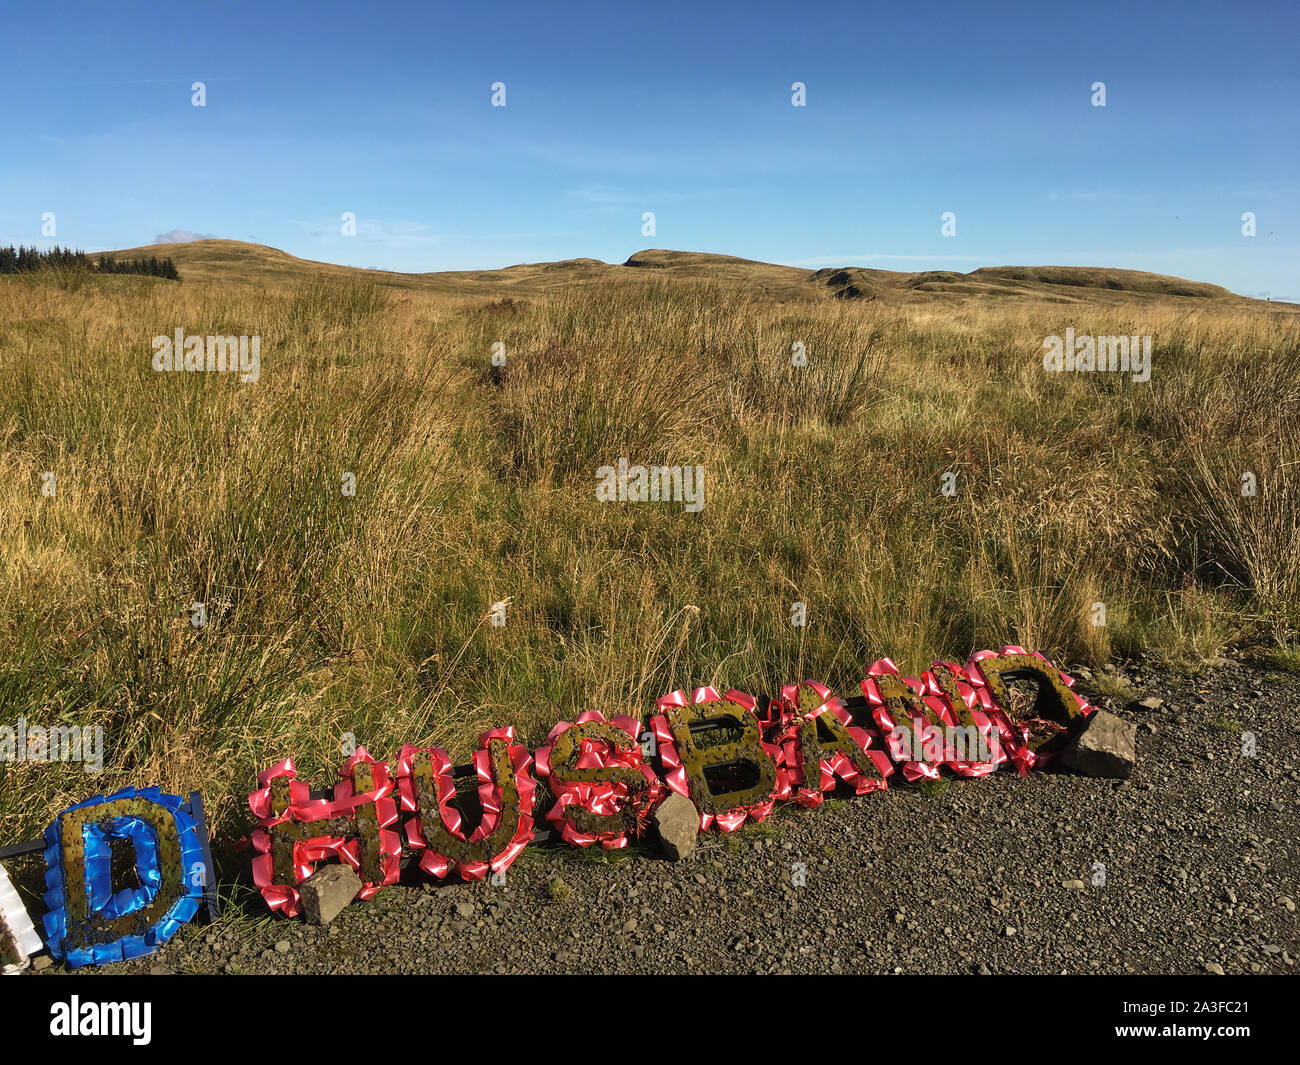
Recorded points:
(231,261)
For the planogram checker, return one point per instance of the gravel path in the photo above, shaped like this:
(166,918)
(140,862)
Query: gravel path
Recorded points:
(1199,849)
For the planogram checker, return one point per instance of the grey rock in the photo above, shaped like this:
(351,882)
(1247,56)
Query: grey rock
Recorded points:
(1107,747)
(327,892)
(677,824)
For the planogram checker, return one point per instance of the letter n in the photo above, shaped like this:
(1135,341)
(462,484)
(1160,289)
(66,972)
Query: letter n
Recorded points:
(950,682)
(898,702)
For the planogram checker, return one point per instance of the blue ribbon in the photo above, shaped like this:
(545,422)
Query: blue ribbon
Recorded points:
(103,901)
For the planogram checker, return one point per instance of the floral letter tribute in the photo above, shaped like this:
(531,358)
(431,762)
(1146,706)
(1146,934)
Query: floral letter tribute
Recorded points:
(733,755)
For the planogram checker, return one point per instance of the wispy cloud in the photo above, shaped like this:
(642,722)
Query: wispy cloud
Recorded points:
(181,236)
(879,257)
(603,196)
(1200,192)
(606,196)
(390,232)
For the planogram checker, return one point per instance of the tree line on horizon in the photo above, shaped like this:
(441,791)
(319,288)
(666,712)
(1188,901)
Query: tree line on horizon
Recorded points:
(23,260)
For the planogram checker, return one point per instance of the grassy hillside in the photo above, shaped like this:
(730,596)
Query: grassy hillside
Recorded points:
(369,615)
(232,261)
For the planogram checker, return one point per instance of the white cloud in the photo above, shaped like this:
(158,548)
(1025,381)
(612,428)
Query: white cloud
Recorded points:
(877,257)
(181,236)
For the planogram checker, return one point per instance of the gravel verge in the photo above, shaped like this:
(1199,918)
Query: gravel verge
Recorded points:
(997,875)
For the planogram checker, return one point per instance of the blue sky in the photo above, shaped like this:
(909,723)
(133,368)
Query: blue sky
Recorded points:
(384,110)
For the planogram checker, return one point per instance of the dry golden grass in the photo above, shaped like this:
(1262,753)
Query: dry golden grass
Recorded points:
(369,615)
